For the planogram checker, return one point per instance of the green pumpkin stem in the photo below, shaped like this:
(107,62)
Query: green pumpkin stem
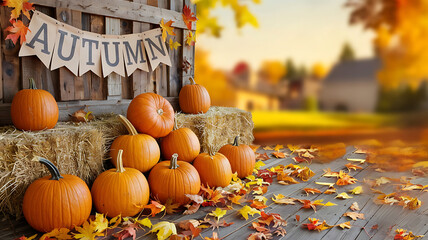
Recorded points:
(131,129)
(32,83)
(174,164)
(119,162)
(51,167)
(235,142)
(192,81)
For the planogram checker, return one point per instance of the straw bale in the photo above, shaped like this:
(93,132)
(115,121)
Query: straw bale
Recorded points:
(77,149)
(218,127)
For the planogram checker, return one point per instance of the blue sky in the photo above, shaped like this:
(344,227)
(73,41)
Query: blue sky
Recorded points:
(307,31)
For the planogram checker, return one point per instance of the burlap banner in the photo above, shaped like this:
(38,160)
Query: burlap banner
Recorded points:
(60,45)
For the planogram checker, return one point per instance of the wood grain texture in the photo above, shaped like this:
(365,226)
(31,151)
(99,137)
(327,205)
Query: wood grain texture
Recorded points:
(188,51)
(126,28)
(98,84)
(87,77)
(120,9)
(175,71)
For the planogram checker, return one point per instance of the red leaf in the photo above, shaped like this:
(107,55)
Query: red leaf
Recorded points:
(188,17)
(298,218)
(17,30)
(125,233)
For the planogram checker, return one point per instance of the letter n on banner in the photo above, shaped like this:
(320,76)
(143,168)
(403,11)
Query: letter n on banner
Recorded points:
(156,48)
(134,53)
(112,56)
(40,38)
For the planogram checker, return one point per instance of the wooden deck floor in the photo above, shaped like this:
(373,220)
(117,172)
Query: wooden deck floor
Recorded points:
(386,217)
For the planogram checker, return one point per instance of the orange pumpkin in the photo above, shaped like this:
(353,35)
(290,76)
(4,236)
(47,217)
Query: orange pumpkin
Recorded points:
(173,180)
(56,201)
(151,114)
(214,169)
(194,98)
(241,157)
(34,109)
(121,191)
(182,141)
(141,151)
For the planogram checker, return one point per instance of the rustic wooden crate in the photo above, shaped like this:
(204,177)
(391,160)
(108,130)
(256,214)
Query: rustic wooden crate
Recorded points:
(113,93)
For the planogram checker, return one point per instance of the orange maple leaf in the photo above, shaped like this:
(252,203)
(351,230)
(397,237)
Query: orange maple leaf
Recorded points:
(17,30)
(155,207)
(311,190)
(188,17)
(19,6)
(278,154)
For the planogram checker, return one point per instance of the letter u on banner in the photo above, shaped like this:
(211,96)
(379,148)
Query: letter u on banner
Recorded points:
(40,38)
(112,56)
(67,49)
(156,48)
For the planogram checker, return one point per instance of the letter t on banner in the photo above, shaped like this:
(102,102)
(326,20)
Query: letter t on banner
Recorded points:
(156,48)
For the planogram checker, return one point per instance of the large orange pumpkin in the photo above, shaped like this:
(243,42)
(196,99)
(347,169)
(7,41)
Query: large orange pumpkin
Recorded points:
(214,169)
(56,201)
(34,109)
(194,98)
(151,114)
(173,180)
(141,151)
(182,141)
(121,191)
(241,157)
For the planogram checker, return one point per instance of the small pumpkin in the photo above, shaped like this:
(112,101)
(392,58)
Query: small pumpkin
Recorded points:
(194,98)
(141,151)
(182,141)
(121,191)
(151,114)
(214,169)
(173,180)
(56,201)
(241,157)
(34,109)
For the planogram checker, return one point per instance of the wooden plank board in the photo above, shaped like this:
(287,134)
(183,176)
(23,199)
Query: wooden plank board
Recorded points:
(126,28)
(188,51)
(10,61)
(162,69)
(87,77)
(120,9)
(2,36)
(114,82)
(98,84)
(174,78)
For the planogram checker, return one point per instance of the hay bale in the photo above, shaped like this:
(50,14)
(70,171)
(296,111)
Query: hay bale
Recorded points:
(218,127)
(77,149)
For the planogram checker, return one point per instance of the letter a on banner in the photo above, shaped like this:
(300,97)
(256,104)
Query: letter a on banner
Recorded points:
(156,48)
(67,49)
(40,38)
(112,56)
(90,54)
(134,53)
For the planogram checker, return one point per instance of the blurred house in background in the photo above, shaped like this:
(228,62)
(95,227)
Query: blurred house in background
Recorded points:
(251,92)
(302,94)
(351,86)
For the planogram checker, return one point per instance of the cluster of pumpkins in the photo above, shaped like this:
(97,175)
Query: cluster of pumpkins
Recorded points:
(65,200)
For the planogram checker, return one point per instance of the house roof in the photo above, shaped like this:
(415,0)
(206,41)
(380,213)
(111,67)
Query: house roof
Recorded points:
(356,70)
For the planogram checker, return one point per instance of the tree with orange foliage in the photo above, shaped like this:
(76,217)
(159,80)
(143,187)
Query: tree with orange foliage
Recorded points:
(272,71)
(401,28)
(319,70)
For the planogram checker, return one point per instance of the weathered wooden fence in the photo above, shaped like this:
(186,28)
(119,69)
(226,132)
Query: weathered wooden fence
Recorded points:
(101,95)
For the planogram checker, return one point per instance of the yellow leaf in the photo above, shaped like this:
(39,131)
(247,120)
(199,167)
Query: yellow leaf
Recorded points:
(18,6)
(167,29)
(60,234)
(100,223)
(325,184)
(114,222)
(345,225)
(144,222)
(259,164)
(248,210)
(343,195)
(218,213)
(164,229)
(173,45)
(278,147)
(190,38)
(357,190)
(86,232)
(423,164)
(267,148)
(329,204)
(34,236)
(356,160)
(260,199)
(293,147)
(281,199)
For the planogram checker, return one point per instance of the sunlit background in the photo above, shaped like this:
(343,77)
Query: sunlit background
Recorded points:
(315,71)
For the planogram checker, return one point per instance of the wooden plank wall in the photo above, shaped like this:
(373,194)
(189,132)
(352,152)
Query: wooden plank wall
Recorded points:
(64,86)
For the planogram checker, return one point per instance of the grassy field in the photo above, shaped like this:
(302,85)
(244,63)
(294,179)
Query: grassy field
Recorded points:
(299,120)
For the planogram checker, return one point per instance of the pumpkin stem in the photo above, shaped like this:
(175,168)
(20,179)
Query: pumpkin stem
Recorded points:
(192,81)
(32,83)
(51,167)
(174,164)
(119,162)
(131,129)
(235,142)
(160,111)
